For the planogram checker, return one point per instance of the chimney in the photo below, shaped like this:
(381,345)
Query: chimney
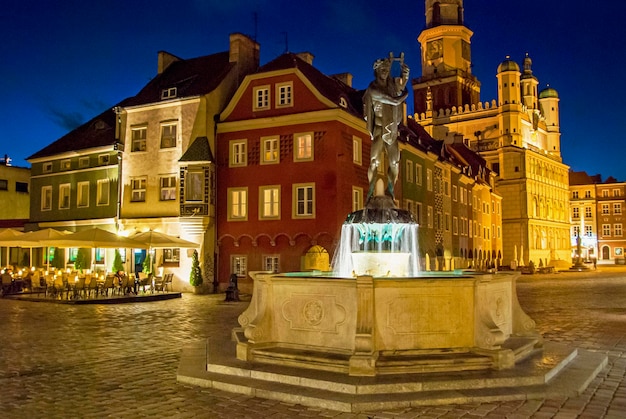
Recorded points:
(345,78)
(306,57)
(244,52)
(165,60)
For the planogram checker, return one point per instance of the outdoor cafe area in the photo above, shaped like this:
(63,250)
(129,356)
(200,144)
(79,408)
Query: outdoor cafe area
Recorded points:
(68,284)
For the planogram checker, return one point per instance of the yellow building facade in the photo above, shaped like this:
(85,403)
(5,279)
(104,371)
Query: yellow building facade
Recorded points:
(518,135)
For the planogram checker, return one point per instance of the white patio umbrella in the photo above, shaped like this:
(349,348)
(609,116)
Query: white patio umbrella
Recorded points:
(98,238)
(47,237)
(6,240)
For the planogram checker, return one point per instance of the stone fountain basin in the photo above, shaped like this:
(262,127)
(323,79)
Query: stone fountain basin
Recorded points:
(368,326)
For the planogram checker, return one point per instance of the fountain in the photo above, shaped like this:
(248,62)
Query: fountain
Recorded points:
(376,332)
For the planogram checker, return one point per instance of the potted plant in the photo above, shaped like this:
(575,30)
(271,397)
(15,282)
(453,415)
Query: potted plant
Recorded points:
(195,277)
(118,264)
(82,260)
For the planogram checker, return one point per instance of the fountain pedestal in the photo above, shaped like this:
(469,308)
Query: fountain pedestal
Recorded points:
(371,326)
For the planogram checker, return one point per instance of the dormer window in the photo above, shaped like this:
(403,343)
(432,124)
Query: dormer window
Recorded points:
(168,93)
(343,102)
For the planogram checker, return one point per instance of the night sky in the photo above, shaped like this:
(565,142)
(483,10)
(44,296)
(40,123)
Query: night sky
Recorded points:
(65,61)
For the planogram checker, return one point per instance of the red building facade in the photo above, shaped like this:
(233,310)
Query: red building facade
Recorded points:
(292,154)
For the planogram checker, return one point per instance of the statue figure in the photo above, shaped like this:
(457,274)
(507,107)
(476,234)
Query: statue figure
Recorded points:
(383,113)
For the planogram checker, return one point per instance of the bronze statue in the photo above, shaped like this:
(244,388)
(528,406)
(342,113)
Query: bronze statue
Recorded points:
(382,103)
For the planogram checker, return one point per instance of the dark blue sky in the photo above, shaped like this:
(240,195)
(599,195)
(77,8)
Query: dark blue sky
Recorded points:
(65,61)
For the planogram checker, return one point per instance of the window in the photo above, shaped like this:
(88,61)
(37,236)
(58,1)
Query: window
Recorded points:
(103,159)
(103,192)
(168,188)
(64,196)
(82,195)
(455,193)
(617,229)
(357,150)
(455,226)
(418,174)
(409,171)
(575,194)
(605,194)
(47,167)
(171,256)
(429,179)
(168,93)
(605,209)
(429,216)
(606,229)
(617,209)
(138,137)
(237,204)
(4,185)
(304,201)
(238,153)
(270,152)
(21,187)
(284,95)
(239,265)
(83,162)
(418,212)
(138,189)
(46,198)
(588,212)
(261,97)
(615,192)
(576,231)
(168,135)
(588,231)
(271,263)
(447,221)
(194,186)
(269,202)
(575,213)
(357,198)
(303,147)
(66,164)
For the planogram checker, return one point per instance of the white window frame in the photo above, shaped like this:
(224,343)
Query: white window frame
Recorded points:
(104,159)
(606,209)
(284,94)
(103,192)
(169,93)
(66,164)
(429,216)
(83,162)
(303,206)
(357,150)
(617,230)
(418,174)
(239,265)
(588,212)
(419,214)
(261,100)
(269,202)
(588,230)
(303,149)
(271,263)
(429,179)
(606,230)
(576,213)
(455,226)
(82,194)
(139,136)
(65,193)
(238,204)
(455,193)
(617,208)
(238,153)
(138,189)
(46,198)
(168,185)
(169,135)
(46,167)
(409,171)
(270,150)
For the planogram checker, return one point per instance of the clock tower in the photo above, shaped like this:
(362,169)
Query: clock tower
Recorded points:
(446,79)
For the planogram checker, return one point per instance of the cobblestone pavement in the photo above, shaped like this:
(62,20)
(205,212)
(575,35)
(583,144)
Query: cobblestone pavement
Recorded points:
(95,361)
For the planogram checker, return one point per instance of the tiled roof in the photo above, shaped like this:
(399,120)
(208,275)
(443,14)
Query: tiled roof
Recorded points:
(198,151)
(192,77)
(582,178)
(330,87)
(98,132)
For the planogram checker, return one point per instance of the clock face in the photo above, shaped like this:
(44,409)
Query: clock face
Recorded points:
(434,50)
